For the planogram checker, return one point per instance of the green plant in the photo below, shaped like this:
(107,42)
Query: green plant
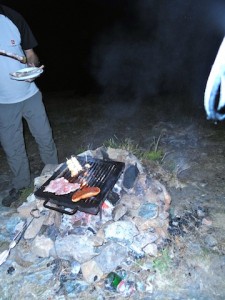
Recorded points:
(153,155)
(162,263)
(26,192)
(80,149)
(126,144)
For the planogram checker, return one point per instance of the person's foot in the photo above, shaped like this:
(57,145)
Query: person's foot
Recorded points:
(12,196)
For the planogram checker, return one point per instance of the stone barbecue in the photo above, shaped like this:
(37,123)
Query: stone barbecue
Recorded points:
(85,247)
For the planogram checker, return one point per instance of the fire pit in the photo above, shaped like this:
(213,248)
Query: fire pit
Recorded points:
(102,173)
(71,252)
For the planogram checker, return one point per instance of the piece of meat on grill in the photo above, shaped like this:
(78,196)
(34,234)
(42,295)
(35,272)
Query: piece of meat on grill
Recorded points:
(85,192)
(61,186)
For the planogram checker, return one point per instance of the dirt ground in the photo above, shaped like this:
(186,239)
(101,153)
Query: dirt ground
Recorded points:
(192,169)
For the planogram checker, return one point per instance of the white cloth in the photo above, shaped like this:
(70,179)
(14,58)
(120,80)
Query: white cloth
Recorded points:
(12,91)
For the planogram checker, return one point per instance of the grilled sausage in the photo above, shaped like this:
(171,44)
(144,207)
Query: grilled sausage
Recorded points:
(85,192)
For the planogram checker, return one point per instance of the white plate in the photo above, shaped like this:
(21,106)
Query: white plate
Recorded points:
(26,73)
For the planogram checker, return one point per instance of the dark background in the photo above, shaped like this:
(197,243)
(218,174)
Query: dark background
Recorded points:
(125,47)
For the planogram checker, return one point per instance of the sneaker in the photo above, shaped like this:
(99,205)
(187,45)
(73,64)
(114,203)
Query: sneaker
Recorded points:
(13,196)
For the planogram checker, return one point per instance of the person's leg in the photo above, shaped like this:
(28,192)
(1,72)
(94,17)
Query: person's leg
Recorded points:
(37,120)
(12,141)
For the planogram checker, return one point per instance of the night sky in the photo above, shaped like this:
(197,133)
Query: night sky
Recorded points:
(131,48)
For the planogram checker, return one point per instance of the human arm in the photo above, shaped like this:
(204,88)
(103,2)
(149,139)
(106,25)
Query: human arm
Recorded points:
(32,58)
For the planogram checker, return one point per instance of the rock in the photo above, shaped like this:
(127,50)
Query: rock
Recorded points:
(130,175)
(122,231)
(210,240)
(77,247)
(132,202)
(151,249)
(145,238)
(162,231)
(25,209)
(111,256)
(98,240)
(52,217)
(206,222)
(34,227)
(91,271)
(148,211)
(144,224)
(119,211)
(42,246)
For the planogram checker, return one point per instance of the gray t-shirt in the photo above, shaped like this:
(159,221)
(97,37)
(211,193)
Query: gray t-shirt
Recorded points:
(13,35)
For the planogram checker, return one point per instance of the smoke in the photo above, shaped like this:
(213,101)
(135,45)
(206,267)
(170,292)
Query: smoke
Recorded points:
(161,47)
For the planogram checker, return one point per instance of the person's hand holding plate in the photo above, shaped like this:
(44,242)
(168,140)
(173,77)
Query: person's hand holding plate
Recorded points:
(27,74)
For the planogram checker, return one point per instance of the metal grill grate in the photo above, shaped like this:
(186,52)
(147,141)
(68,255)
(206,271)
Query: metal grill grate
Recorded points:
(102,173)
